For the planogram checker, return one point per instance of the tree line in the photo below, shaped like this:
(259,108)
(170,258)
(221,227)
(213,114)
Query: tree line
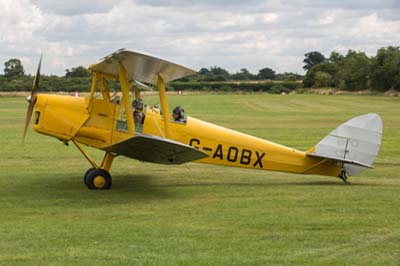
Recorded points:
(216,73)
(13,69)
(354,71)
(212,79)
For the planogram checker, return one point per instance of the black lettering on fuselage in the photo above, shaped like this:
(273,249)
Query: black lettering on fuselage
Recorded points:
(232,154)
(194,141)
(245,158)
(259,159)
(218,152)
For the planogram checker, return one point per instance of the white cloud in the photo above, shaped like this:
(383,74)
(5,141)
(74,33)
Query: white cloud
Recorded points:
(328,17)
(231,34)
(374,28)
(18,21)
(233,20)
(270,17)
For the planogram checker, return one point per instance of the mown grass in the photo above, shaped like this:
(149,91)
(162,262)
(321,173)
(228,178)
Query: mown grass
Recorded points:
(198,214)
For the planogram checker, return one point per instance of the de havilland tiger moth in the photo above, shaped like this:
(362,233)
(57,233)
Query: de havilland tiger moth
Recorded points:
(123,126)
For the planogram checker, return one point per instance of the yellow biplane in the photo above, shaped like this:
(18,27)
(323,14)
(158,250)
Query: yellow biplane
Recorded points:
(108,122)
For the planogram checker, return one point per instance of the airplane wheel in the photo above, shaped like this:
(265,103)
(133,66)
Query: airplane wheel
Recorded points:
(86,174)
(98,179)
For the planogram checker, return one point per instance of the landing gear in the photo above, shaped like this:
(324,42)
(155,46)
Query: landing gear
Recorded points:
(344,176)
(97,179)
(98,176)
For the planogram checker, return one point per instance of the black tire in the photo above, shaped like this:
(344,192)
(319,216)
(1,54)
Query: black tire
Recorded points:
(98,179)
(86,174)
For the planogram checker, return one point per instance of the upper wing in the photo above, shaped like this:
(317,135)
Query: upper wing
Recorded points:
(140,67)
(157,150)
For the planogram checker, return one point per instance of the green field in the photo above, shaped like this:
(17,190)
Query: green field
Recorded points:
(197,214)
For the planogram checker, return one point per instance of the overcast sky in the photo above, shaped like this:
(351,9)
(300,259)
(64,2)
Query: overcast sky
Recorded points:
(232,34)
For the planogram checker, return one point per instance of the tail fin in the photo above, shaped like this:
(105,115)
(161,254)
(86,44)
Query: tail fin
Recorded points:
(355,143)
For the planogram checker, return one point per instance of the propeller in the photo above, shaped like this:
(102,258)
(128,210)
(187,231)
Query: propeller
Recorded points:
(32,99)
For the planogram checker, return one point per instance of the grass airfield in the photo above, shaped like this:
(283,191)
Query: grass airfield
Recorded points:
(197,214)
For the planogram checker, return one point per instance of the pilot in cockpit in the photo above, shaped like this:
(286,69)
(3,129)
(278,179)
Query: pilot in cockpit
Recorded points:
(138,114)
(179,114)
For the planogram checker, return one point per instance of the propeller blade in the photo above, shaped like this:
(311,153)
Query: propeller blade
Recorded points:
(35,84)
(28,118)
(32,99)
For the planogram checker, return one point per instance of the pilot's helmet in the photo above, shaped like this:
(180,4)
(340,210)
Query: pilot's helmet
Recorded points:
(137,104)
(179,111)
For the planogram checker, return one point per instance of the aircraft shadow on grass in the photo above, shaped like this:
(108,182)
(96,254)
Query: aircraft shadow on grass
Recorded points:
(142,189)
(148,184)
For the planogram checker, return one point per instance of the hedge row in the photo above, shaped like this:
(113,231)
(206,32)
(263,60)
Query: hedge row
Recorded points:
(50,83)
(54,83)
(267,86)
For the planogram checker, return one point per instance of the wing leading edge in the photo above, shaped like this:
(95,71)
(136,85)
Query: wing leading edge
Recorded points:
(154,149)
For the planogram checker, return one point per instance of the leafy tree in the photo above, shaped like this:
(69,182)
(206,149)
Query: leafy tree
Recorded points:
(204,71)
(75,72)
(244,74)
(348,72)
(335,58)
(325,67)
(385,69)
(354,71)
(266,73)
(218,71)
(312,59)
(214,74)
(322,79)
(13,68)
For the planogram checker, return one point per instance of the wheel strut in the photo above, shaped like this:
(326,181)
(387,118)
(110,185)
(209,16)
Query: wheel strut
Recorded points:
(344,176)
(97,177)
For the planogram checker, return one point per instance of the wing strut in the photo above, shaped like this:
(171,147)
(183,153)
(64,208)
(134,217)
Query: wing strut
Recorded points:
(164,105)
(125,86)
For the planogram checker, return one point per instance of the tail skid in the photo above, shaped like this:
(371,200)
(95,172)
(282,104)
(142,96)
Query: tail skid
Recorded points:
(355,144)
